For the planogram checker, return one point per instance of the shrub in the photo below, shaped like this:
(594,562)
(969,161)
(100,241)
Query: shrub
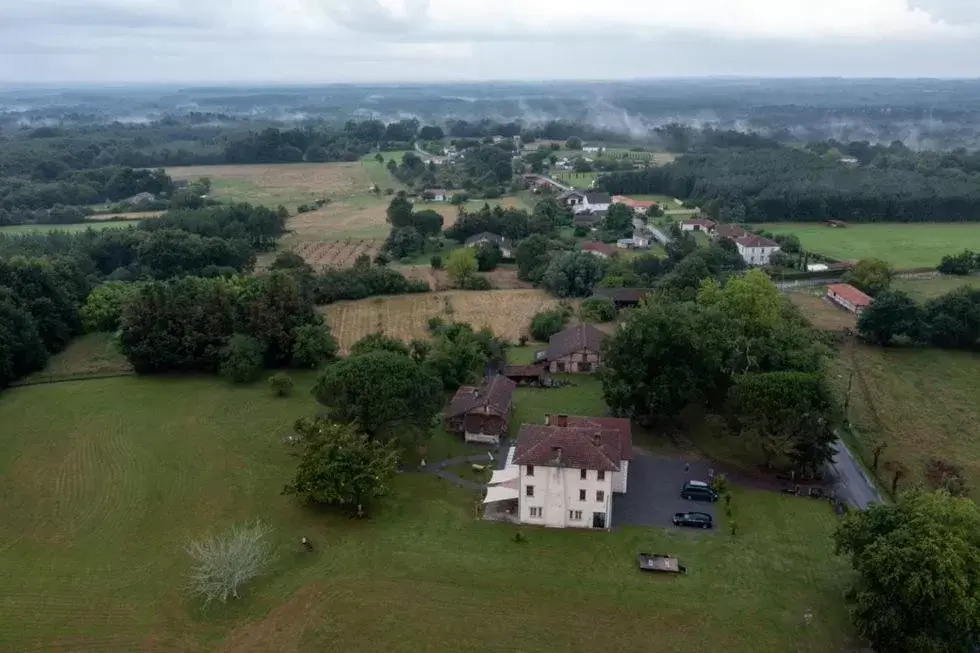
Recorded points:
(436,262)
(224,563)
(580,232)
(547,323)
(281,384)
(598,310)
(241,359)
(436,323)
(476,282)
(313,346)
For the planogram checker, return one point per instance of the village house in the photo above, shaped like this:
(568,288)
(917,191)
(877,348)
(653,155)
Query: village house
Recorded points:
(563,473)
(640,207)
(622,297)
(576,349)
(486,238)
(588,220)
(581,202)
(596,248)
(481,414)
(848,297)
(756,250)
(436,195)
(704,226)
(639,240)
(731,231)
(535,375)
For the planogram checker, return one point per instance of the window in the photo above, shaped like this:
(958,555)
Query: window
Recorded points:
(529,490)
(530,470)
(575,515)
(600,476)
(600,495)
(584,475)
(560,366)
(535,511)
(581,495)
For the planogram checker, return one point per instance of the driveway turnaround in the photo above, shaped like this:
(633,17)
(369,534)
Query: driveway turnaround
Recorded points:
(653,491)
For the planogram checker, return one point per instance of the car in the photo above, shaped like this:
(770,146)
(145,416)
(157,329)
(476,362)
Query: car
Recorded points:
(693,519)
(698,491)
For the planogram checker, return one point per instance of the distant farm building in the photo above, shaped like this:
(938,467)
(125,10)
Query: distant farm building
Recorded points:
(848,297)
(704,226)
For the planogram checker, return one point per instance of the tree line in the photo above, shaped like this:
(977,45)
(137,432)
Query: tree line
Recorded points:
(736,349)
(45,198)
(951,321)
(780,184)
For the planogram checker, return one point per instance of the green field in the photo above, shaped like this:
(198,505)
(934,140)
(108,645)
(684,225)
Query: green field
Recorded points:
(902,245)
(577,179)
(103,483)
(923,403)
(923,289)
(98,225)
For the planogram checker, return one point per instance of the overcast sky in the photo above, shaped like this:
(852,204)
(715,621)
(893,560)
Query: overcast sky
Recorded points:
(183,41)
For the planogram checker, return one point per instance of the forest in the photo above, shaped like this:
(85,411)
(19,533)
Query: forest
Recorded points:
(782,184)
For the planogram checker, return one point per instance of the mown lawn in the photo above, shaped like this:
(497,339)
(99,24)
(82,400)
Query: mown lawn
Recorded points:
(902,245)
(103,483)
(923,289)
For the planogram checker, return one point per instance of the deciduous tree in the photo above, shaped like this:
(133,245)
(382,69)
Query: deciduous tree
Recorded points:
(893,313)
(872,275)
(342,467)
(385,394)
(918,573)
(462,266)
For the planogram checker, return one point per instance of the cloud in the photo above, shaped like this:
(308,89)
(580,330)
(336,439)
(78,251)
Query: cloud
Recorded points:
(272,40)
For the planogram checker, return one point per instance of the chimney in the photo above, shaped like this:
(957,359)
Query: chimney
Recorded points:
(547,419)
(561,420)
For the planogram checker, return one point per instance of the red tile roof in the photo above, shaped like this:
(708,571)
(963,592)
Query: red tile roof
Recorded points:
(576,338)
(495,396)
(755,241)
(599,443)
(602,248)
(618,424)
(632,203)
(700,223)
(524,370)
(850,294)
(730,231)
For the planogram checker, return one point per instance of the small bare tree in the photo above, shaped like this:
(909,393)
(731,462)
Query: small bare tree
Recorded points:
(225,562)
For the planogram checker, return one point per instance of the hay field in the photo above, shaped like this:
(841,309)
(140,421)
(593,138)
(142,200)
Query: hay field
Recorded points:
(507,312)
(289,184)
(923,403)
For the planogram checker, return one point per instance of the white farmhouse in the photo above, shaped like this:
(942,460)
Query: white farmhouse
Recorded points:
(586,202)
(569,468)
(756,250)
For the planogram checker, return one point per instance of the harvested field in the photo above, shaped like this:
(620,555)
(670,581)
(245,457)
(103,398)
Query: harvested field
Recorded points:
(285,183)
(822,314)
(501,278)
(507,312)
(354,218)
(336,253)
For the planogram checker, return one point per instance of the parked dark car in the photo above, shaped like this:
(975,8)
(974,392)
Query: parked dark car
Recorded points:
(693,519)
(698,491)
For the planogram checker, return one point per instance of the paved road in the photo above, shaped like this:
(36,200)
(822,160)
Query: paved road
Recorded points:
(853,483)
(657,234)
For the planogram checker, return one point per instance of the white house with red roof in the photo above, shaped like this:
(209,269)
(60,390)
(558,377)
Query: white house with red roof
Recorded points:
(563,473)
(756,250)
